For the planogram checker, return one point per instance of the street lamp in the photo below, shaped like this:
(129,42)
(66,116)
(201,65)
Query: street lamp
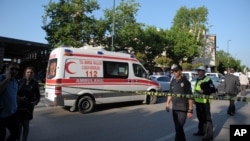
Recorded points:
(113,27)
(228,54)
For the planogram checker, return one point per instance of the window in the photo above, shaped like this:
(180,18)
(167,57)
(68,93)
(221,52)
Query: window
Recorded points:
(115,69)
(164,79)
(139,71)
(51,70)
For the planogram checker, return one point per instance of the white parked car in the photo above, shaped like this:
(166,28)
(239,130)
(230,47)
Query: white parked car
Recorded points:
(216,81)
(190,75)
(219,75)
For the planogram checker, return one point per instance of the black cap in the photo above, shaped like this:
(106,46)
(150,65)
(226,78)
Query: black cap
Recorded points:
(175,67)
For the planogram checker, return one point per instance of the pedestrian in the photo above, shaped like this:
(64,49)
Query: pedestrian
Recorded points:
(181,107)
(203,86)
(28,97)
(244,82)
(231,88)
(8,100)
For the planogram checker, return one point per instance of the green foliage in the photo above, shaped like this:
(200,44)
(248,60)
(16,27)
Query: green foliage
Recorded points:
(69,22)
(126,29)
(186,34)
(224,61)
(192,20)
(163,61)
(152,42)
(221,68)
(72,23)
(141,57)
(182,45)
(196,65)
(186,66)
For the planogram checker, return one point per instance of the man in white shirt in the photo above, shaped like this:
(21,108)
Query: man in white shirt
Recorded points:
(244,82)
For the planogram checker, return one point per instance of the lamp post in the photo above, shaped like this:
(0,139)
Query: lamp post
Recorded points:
(113,27)
(228,54)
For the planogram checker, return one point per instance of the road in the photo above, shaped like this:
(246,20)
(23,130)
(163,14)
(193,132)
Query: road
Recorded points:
(127,122)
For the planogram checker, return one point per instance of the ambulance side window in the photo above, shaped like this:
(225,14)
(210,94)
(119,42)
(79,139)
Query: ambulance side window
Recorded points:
(51,70)
(139,71)
(115,69)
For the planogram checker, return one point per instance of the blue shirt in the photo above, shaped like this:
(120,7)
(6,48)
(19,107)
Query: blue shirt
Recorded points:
(8,97)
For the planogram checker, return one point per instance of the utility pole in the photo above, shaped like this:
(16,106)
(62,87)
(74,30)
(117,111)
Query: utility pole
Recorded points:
(228,54)
(113,27)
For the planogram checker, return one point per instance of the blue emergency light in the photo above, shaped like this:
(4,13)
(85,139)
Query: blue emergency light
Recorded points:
(67,52)
(100,52)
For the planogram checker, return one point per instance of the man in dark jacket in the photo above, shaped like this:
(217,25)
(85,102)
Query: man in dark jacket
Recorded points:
(182,107)
(231,87)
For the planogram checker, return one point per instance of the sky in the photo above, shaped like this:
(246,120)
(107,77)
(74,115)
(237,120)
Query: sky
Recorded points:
(229,20)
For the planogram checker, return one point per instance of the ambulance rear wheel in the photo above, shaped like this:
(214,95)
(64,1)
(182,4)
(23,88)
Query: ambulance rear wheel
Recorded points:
(85,104)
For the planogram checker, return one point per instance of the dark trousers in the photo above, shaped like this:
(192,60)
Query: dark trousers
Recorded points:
(231,107)
(243,90)
(205,124)
(11,123)
(179,121)
(24,130)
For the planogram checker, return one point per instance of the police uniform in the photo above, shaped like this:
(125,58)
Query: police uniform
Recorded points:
(205,125)
(180,105)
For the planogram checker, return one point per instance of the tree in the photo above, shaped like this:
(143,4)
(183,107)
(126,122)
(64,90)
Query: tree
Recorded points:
(69,22)
(152,42)
(186,34)
(141,57)
(221,61)
(182,45)
(224,61)
(186,66)
(163,61)
(126,29)
(193,20)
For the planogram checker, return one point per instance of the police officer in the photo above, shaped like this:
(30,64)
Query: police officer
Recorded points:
(181,107)
(203,86)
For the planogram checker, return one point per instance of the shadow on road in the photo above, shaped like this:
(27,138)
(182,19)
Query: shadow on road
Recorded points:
(103,107)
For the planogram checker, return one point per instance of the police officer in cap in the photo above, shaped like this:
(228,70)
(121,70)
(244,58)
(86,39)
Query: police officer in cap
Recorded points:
(181,107)
(203,86)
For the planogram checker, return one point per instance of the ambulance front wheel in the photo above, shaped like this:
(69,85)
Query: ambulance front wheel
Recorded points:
(85,104)
(151,99)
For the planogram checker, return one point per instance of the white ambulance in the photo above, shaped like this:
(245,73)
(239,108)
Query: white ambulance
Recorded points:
(82,77)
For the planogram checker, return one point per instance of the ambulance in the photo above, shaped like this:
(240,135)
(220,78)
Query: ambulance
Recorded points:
(80,78)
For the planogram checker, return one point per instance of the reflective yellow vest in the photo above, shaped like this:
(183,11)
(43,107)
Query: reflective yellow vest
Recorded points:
(197,87)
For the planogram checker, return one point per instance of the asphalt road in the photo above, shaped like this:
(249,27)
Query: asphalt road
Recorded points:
(128,122)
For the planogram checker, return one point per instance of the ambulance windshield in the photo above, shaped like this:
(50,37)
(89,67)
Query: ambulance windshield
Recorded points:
(139,71)
(51,69)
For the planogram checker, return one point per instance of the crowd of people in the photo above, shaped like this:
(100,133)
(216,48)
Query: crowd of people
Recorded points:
(18,98)
(182,108)
(17,101)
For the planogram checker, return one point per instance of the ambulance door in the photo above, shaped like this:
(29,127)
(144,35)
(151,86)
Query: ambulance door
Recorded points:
(116,80)
(139,81)
(50,88)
